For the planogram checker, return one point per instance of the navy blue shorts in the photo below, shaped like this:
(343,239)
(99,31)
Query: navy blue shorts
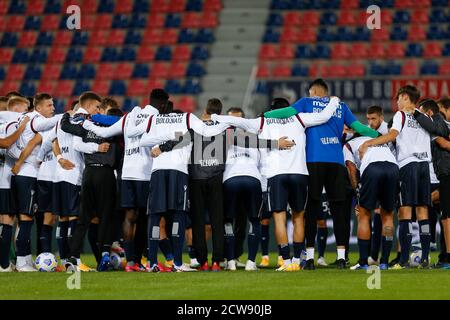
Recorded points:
(379,186)
(24,195)
(242,193)
(415,186)
(45,196)
(5,202)
(325,212)
(264,212)
(168,192)
(66,199)
(134,194)
(287,189)
(189,220)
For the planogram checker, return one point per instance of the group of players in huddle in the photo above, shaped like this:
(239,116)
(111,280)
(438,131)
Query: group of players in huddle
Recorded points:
(154,177)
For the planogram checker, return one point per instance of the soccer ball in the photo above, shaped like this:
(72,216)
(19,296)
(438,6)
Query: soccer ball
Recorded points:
(46,262)
(415,257)
(117,262)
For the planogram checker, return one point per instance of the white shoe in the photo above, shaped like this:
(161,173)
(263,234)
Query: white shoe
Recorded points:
(26,268)
(321,262)
(239,264)
(355,267)
(231,265)
(251,266)
(194,263)
(296,260)
(29,260)
(184,268)
(372,262)
(223,264)
(10,268)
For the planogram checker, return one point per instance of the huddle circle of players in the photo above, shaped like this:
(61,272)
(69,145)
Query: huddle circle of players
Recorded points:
(152,178)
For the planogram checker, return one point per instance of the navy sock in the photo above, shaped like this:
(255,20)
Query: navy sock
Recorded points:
(386,244)
(46,238)
(72,228)
(5,243)
(405,236)
(61,239)
(128,246)
(229,241)
(23,242)
(376,237)
(93,241)
(298,248)
(178,232)
(253,239)
(322,235)
(425,238)
(364,246)
(265,240)
(166,248)
(284,250)
(192,253)
(153,239)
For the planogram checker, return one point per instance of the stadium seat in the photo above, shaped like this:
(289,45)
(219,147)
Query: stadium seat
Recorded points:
(340,51)
(101,87)
(377,50)
(359,50)
(263,71)
(292,18)
(120,21)
(337,71)
(401,17)
(33,23)
(410,68)
(172,21)
(33,72)
(156,21)
(3,7)
(328,18)
(74,54)
(46,86)
(116,37)
(304,52)
(152,36)
(271,35)
(127,54)
(289,34)
(64,38)
(209,20)
(432,50)
(195,70)
(281,71)
(27,89)
(9,86)
(194,5)
(356,70)
(275,19)
(58,55)
(186,104)
(200,53)
(15,23)
(346,18)
(299,71)
(438,16)
(155,83)
(124,6)
(80,38)
(138,21)
(186,36)
(429,67)
(307,35)
(39,55)
(414,50)
(398,33)
(286,51)
(160,70)
(419,16)
(444,69)
(6,55)
(344,34)
(103,21)
(377,69)
(64,88)
(191,20)
(437,32)
(90,6)
(92,55)
(87,71)
(118,87)
(80,87)
(416,33)
(204,36)
(395,50)
(177,5)
(141,6)
(173,87)
(212,5)
(322,51)
(53,6)
(106,6)
(20,56)
(105,71)
(393,68)
(51,23)
(268,51)
(69,71)
(141,71)
(145,54)
(45,39)
(170,36)
(181,53)
(123,71)
(163,54)
(133,37)
(350,4)
(192,86)
(27,39)
(159,6)
(446,50)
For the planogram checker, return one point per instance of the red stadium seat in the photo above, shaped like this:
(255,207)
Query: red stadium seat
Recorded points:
(35,8)
(68,3)
(51,71)
(64,88)
(57,54)
(152,36)
(386,18)
(350,4)
(307,35)
(181,53)
(154,84)
(160,70)
(101,87)
(46,86)
(3,24)
(268,51)
(212,5)
(419,16)
(124,6)
(63,38)
(105,71)
(395,50)
(356,70)
(88,21)
(404,3)
(92,55)
(337,71)
(145,54)
(380,34)
(377,50)
(444,68)
(432,50)
(186,104)
(310,18)
(156,21)
(263,71)
(209,20)
(15,72)
(123,71)
(292,18)
(177,70)
(423,3)
(51,22)
(4,7)
(359,50)
(289,34)
(191,20)
(410,68)
(137,87)
(103,21)
(346,18)
(99,37)
(27,39)
(281,71)
(160,6)
(286,51)
(5,55)
(116,37)
(90,6)
(177,5)
(15,23)
(170,36)
(417,33)
(340,51)
(9,86)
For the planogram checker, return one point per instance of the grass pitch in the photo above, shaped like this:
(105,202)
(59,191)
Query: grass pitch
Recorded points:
(323,283)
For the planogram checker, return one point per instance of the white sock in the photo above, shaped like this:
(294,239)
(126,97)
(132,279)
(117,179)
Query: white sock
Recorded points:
(309,253)
(78,261)
(341,254)
(296,260)
(21,261)
(266,257)
(287,262)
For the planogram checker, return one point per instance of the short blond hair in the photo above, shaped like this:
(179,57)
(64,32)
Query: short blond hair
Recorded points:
(17,100)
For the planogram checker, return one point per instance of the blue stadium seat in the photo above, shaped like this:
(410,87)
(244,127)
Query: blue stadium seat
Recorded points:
(192,86)
(438,16)
(9,39)
(401,17)
(120,21)
(328,18)
(109,54)
(280,5)
(173,86)
(205,36)
(59,104)
(261,87)
(448,33)
(186,36)
(194,5)
(127,54)
(377,69)
(275,19)
(17,7)
(200,53)
(20,56)
(69,71)
(271,36)
(2,73)
(118,87)
(138,21)
(322,51)
(429,67)
(330,4)
(393,68)
(300,71)
(436,32)
(304,52)
(133,37)
(80,87)
(105,6)
(361,34)
(33,23)
(439,3)
(163,54)
(80,38)
(32,72)
(414,50)
(344,34)
(300,4)
(195,70)
(129,103)
(74,55)
(446,50)
(141,71)
(53,6)
(173,21)
(326,34)
(38,56)
(398,33)
(87,71)
(27,89)
(45,39)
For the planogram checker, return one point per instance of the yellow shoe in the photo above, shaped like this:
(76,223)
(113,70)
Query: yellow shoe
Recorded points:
(397,266)
(280,261)
(264,261)
(84,268)
(169,264)
(292,267)
(281,268)
(144,261)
